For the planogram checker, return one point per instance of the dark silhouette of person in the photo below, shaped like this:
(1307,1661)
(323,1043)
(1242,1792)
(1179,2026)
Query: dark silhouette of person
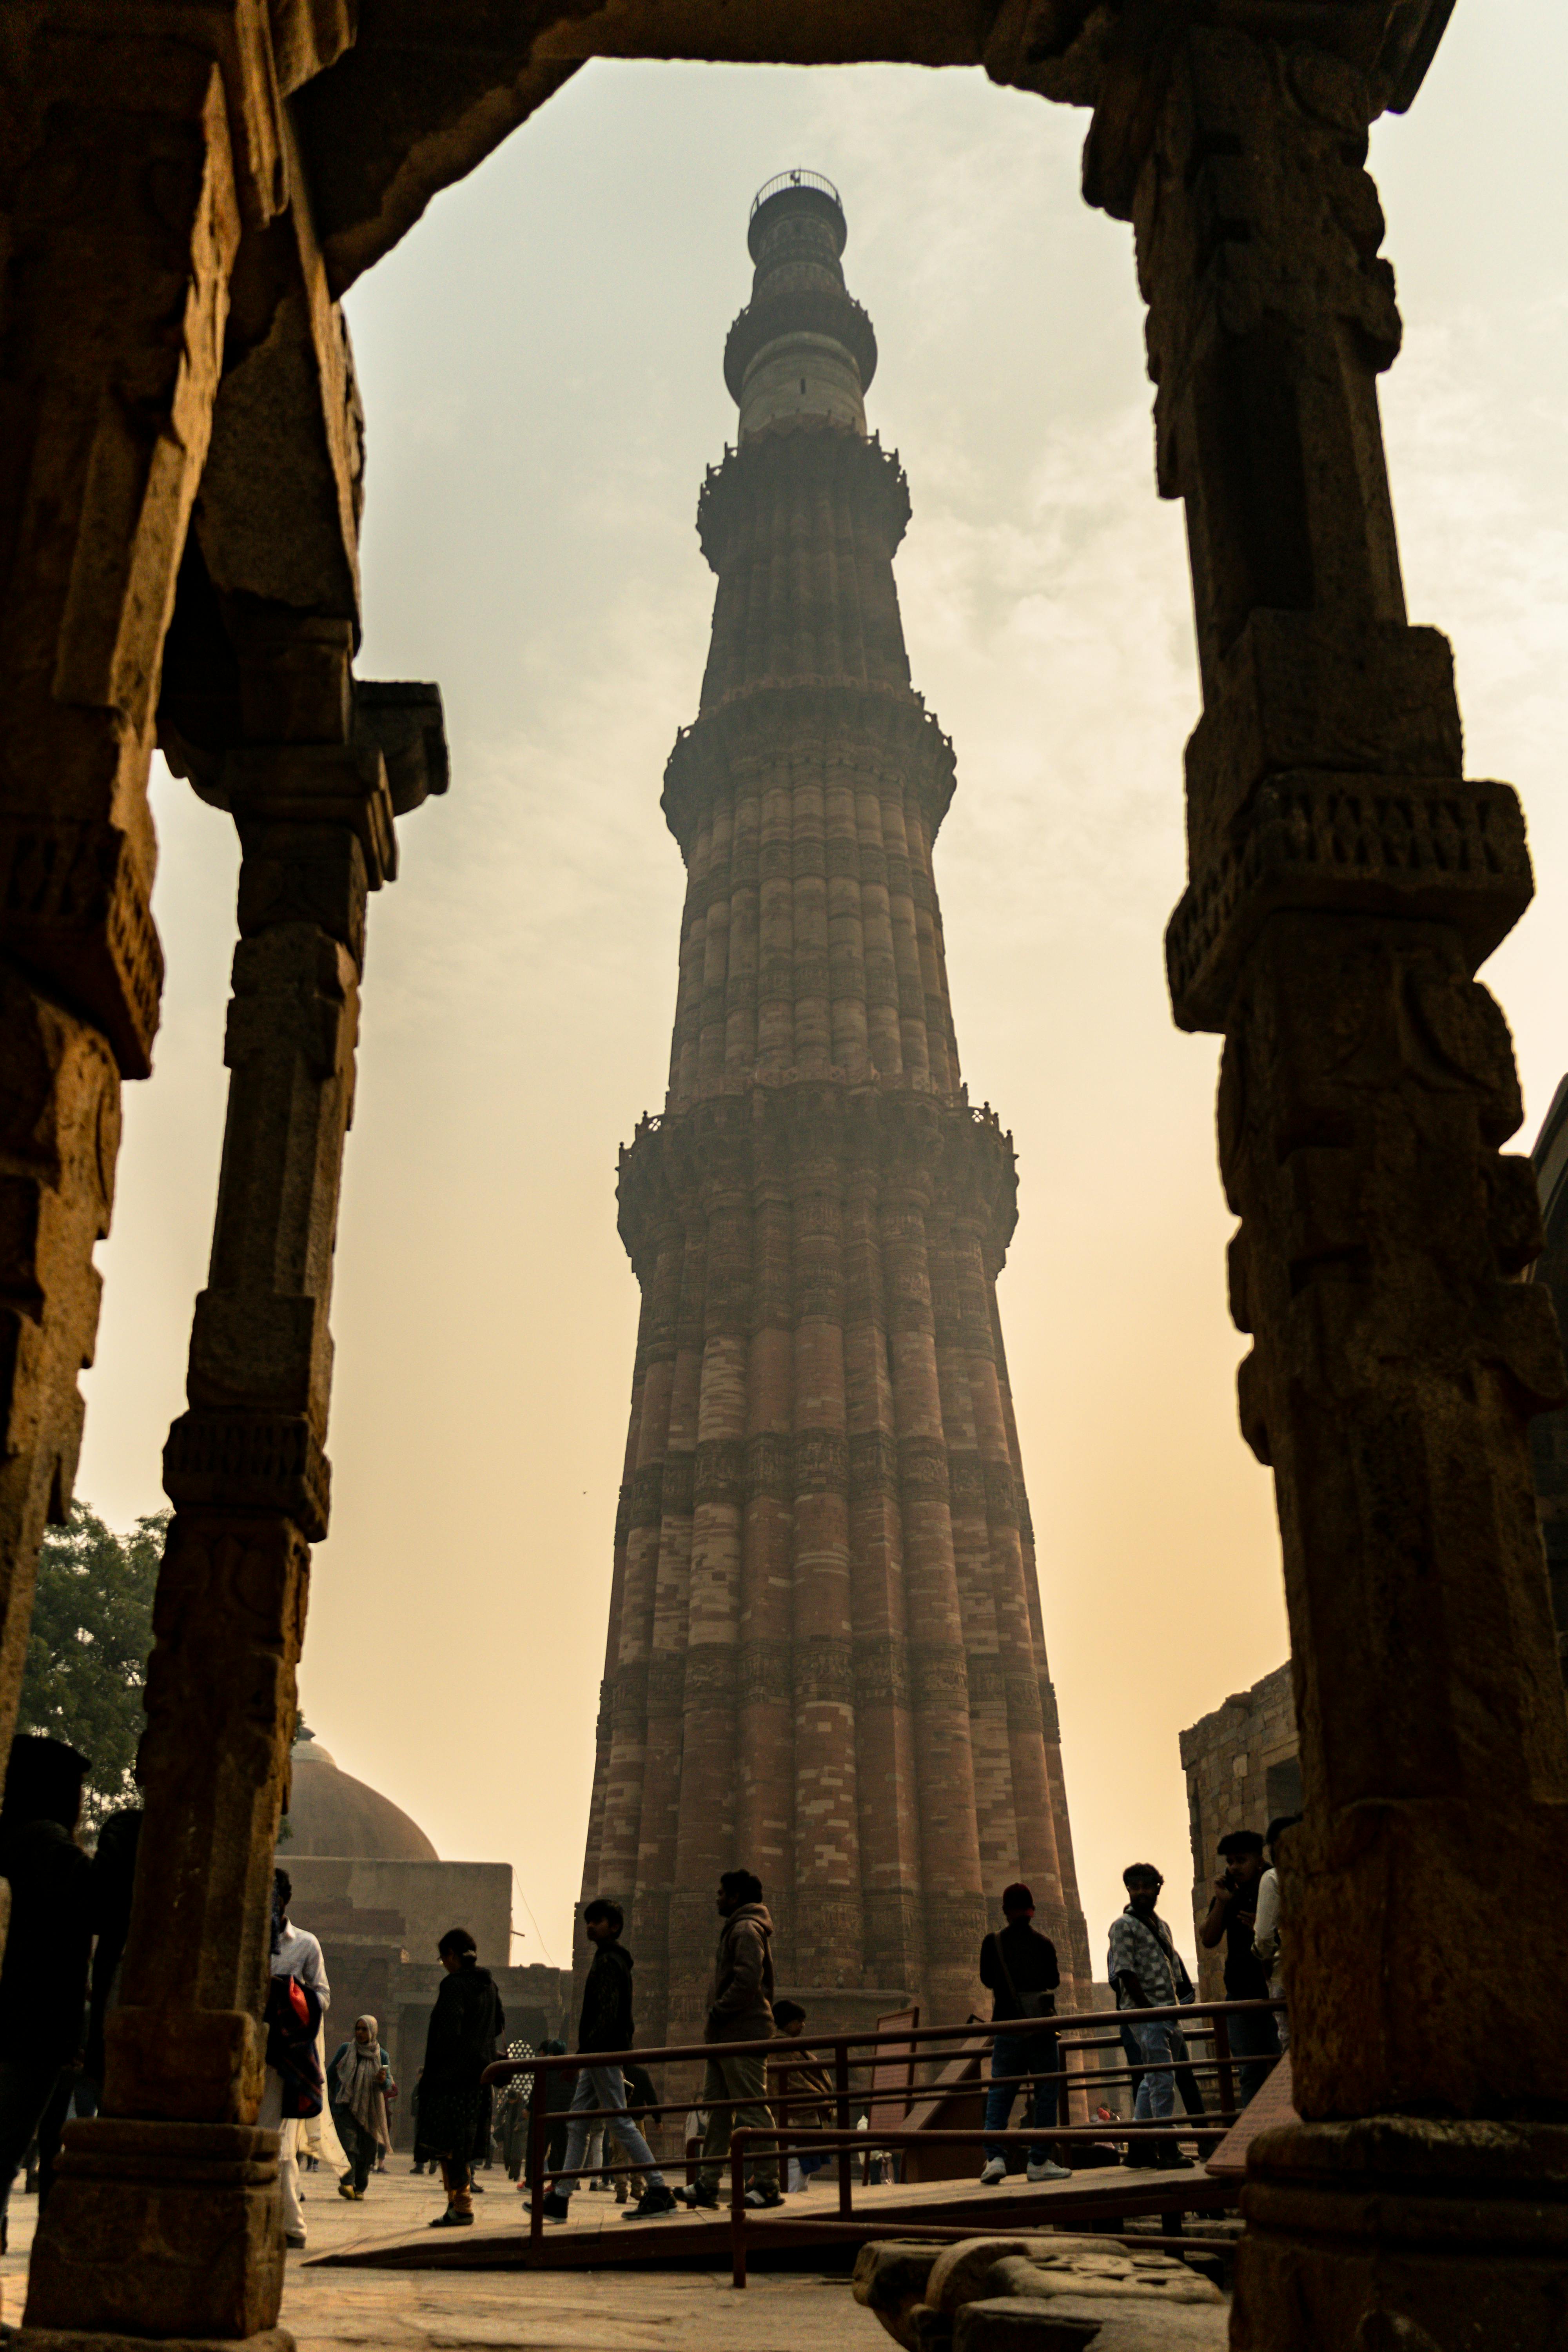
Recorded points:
(114,1882)
(43,1980)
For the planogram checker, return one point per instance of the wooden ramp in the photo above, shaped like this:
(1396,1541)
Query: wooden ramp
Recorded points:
(594,2238)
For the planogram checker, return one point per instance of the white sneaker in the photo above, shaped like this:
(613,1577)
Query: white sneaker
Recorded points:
(996,2170)
(1047,2172)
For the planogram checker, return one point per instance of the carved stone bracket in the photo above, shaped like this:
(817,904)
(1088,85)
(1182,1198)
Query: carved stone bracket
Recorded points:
(1449,850)
(261,1462)
(74,909)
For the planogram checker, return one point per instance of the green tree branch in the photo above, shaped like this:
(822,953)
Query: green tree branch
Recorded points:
(87,1652)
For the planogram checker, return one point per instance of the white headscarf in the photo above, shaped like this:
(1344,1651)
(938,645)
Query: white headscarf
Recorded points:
(359,2088)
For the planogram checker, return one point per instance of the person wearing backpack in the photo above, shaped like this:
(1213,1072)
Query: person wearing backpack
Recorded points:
(1019,1967)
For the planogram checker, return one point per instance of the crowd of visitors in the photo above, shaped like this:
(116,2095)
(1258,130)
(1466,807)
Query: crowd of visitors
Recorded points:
(746,2089)
(70,1915)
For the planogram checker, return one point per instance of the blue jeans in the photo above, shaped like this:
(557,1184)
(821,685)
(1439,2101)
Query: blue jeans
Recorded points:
(1156,2093)
(604,2086)
(1022,2053)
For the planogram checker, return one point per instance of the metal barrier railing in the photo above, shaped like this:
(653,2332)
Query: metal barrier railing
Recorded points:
(848,2141)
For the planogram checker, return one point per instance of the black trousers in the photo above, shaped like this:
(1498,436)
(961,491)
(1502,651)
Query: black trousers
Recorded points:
(359,2146)
(1255,2045)
(34,2095)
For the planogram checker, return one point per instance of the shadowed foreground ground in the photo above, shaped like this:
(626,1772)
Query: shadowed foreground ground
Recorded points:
(579,2311)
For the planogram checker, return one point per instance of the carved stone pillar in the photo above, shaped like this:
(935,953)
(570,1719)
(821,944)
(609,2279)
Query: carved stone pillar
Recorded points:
(165,2217)
(1346,881)
(125,164)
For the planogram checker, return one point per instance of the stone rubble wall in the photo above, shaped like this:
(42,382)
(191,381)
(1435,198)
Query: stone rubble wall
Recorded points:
(1241,1764)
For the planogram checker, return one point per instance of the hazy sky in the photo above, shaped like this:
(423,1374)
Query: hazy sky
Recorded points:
(540,362)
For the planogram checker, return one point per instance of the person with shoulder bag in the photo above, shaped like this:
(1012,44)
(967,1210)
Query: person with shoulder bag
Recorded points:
(1019,1967)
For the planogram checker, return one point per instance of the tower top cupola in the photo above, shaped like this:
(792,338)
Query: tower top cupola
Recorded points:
(802,349)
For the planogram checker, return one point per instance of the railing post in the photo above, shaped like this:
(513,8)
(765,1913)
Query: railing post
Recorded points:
(841,2084)
(737,2209)
(536,2112)
(1221,2054)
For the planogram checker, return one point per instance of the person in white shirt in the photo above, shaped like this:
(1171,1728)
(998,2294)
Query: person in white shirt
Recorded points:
(298,1953)
(1266,1939)
(295,1953)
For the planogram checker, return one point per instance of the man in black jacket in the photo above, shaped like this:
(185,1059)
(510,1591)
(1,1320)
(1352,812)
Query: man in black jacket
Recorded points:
(1019,1969)
(1233,1919)
(607,2024)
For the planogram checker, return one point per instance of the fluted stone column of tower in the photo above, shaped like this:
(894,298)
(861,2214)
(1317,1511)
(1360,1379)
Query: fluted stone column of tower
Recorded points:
(826,1660)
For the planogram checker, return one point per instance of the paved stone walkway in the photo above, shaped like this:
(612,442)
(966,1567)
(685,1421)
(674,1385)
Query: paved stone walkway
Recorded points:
(613,2310)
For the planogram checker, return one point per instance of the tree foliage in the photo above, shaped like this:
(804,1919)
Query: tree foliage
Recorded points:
(87,1652)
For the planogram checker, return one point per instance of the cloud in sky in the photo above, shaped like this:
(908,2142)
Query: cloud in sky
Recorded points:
(540,362)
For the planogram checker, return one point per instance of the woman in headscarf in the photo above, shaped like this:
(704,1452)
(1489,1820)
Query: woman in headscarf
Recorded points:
(460,2044)
(357,2083)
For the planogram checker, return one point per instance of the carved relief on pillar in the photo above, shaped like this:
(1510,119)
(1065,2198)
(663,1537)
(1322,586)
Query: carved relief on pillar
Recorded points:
(145,158)
(122,220)
(229,1627)
(59,1138)
(246,1471)
(1345,882)
(1367,1084)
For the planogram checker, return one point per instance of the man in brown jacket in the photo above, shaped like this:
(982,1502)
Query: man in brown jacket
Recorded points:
(740,2009)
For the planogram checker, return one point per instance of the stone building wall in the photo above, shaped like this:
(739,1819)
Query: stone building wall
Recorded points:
(379,1921)
(431,1897)
(1242,1772)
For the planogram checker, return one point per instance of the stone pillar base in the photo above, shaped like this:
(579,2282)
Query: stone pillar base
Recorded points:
(1400,2234)
(164,2230)
(76,2339)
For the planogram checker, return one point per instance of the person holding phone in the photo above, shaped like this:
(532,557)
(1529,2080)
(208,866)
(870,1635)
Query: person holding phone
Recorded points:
(1232,1918)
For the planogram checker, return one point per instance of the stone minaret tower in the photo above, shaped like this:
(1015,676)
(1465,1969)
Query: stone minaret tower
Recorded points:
(826,1660)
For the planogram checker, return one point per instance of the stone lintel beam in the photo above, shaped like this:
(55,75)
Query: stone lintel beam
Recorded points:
(422,98)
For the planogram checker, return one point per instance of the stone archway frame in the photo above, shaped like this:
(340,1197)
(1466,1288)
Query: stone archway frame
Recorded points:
(194,184)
